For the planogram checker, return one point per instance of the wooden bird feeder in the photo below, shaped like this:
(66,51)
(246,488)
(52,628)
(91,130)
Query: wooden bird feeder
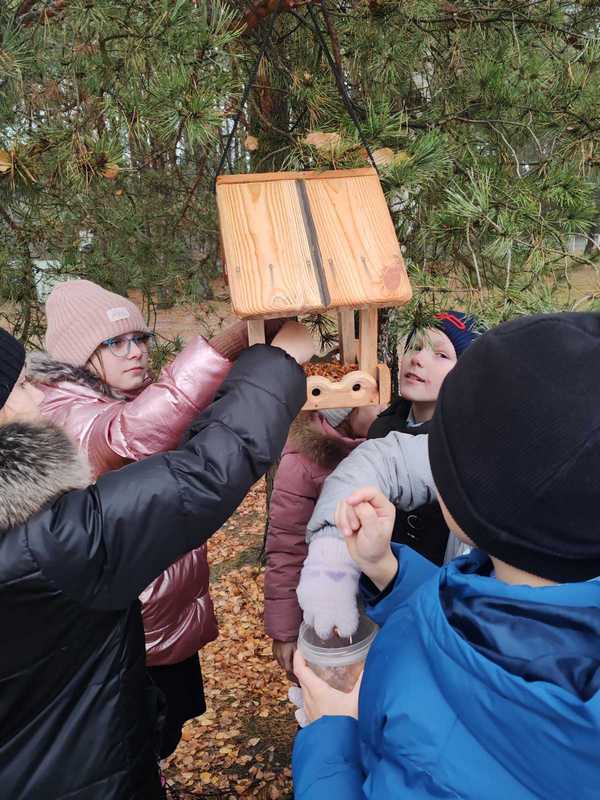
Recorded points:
(311,242)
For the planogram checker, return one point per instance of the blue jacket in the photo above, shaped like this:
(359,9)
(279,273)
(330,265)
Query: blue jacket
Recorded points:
(473,689)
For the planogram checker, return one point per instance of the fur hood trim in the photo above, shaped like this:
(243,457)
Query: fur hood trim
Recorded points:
(309,437)
(38,463)
(41,368)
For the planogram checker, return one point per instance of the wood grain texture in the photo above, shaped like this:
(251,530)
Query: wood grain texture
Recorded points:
(256,332)
(355,389)
(359,249)
(384,381)
(367,343)
(267,252)
(330,244)
(346,337)
(260,177)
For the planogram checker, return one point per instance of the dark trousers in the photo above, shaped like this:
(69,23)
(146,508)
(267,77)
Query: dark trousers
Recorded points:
(182,686)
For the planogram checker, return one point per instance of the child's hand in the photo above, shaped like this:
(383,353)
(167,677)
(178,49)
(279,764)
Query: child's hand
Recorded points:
(296,340)
(366,519)
(283,653)
(320,700)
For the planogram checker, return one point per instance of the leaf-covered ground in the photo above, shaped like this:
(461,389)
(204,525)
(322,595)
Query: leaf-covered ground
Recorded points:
(241,746)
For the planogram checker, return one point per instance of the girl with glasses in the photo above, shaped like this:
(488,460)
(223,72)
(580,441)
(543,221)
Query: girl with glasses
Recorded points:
(96,384)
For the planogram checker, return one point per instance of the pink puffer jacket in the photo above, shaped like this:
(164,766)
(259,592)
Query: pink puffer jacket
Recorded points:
(113,430)
(313,450)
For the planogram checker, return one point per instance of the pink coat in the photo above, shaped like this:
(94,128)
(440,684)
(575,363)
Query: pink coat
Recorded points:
(313,450)
(113,430)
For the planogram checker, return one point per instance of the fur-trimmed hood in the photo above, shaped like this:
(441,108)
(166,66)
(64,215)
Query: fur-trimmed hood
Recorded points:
(43,369)
(38,462)
(312,436)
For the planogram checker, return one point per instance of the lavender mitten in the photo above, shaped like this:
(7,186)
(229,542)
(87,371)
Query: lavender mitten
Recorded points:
(328,587)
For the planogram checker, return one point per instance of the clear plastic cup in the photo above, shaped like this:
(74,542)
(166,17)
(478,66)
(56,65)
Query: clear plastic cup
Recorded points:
(338,660)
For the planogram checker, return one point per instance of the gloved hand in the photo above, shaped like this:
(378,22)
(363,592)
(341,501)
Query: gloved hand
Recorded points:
(328,587)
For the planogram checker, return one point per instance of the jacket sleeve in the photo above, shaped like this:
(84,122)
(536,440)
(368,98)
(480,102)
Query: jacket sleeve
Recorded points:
(413,571)
(398,465)
(292,502)
(155,420)
(103,545)
(326,760)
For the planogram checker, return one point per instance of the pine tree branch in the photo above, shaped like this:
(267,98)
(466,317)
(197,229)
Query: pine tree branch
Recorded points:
(48,12)
(191,194)
(9,221)
(335,44)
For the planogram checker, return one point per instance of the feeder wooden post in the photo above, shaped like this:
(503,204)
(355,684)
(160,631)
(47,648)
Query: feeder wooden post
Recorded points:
(346,336)
(384,379)
(256,331)
(367,358)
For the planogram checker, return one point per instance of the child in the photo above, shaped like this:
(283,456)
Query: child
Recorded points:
(428,358)
(78,718)
(318,441)
(96,385)
(399,468)
(484,680)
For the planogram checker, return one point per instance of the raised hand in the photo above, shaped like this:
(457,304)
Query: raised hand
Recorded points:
(296,340)
(366,520)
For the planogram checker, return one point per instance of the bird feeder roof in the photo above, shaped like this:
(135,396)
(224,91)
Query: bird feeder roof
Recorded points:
(304,242)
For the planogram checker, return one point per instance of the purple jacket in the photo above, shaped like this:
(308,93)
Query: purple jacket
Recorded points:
(113,430)
(313,450)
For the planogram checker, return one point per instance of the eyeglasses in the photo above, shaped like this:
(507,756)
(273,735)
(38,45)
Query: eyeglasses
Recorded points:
(120,346)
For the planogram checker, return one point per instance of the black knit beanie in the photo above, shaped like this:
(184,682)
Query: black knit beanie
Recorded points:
(515,444)
(12,359)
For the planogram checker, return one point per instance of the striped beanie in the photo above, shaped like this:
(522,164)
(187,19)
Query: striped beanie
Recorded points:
(460,328)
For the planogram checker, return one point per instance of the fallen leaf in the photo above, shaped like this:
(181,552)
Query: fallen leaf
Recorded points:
(245,696)
(254,741)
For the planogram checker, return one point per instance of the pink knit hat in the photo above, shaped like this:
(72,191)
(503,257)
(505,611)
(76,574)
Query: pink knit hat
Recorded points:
(80,315)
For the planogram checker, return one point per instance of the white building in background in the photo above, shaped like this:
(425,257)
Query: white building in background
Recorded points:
(576,244)
(49,271)
(46,276)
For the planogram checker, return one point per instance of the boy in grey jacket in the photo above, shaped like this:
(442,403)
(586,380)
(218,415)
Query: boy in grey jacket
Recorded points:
(397,464)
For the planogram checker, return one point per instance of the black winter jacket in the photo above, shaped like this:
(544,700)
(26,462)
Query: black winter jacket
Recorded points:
(76,719)
(423,529)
